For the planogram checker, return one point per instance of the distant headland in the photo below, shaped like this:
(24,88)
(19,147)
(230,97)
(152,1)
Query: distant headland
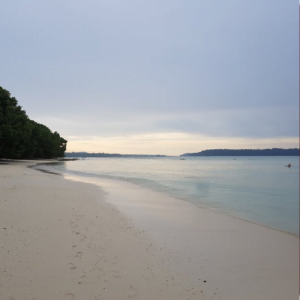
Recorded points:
(246,152)
(211,152)
(86,154)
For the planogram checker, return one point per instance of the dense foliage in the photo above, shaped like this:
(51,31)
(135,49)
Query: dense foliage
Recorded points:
(21,137)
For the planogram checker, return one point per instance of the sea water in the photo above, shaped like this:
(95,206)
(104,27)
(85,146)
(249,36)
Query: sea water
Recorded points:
(256,189)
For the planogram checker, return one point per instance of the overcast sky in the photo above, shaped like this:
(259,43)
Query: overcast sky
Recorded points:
(156,76)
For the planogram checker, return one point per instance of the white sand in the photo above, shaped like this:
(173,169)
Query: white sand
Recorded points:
(62,239)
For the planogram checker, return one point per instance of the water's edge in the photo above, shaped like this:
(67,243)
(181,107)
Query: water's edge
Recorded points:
(51,169)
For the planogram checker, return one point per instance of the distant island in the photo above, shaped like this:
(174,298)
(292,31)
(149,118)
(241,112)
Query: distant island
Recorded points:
(246,152)
(86,154)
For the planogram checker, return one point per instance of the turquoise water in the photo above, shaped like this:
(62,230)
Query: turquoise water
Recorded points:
(257,189)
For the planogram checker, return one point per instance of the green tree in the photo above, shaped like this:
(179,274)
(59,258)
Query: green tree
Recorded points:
(14,127)
(21,137)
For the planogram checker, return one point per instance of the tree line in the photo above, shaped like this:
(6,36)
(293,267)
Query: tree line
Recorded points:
(246,152)
(86,154)
(22,138)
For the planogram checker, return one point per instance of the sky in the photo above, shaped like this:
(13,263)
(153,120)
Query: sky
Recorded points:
(156,77)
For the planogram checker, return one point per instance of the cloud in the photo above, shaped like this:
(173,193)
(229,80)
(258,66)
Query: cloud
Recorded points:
(123,68)
(264,122)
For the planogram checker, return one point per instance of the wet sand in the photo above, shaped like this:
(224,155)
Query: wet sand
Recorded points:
(69,239)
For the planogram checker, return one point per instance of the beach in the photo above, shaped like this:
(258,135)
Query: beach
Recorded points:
(73,238)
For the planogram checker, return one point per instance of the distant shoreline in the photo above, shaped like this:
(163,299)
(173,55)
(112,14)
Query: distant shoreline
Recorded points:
(210,152)
(246,152)
(86,154)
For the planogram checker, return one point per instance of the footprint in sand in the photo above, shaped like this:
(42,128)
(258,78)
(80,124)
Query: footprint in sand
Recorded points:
(78,217)
(72,266)
(115,274)
(69,296)
(83,239)
(132,292)
(79,254)
(82,279)
(115,260)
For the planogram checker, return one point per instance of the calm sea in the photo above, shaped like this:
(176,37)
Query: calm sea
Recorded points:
(257,189)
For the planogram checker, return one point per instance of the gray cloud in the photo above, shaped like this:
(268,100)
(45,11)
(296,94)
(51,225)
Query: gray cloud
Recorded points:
(216,68)
(243,123)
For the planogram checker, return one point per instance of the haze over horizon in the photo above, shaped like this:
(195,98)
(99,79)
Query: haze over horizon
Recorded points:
(156,77)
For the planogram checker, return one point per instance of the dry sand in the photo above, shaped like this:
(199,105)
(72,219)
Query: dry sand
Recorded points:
(63,239)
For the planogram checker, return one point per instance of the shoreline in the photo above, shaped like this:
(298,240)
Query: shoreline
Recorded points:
(168,249)
(48,167)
